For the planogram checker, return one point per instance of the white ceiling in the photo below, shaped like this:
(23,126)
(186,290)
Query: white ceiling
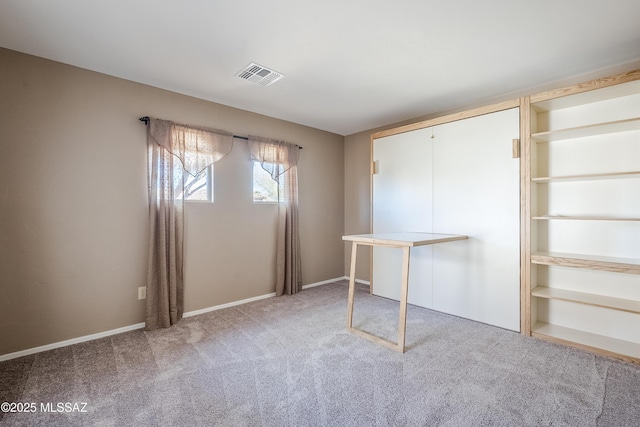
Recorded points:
(349,65)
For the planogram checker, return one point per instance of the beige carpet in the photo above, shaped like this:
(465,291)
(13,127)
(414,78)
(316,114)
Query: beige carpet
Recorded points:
(289,362)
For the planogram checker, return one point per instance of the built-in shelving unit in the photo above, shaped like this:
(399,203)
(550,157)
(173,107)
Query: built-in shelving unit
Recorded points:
(581,156)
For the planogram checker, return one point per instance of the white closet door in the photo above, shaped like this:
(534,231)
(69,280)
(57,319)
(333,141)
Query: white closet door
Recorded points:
(476,191)
(402,202)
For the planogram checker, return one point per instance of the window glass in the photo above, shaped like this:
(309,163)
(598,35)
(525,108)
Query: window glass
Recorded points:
(265,188)
(200,187)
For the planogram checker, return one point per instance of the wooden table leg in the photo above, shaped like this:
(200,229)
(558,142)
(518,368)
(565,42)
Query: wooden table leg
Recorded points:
(402,321)
(352,284)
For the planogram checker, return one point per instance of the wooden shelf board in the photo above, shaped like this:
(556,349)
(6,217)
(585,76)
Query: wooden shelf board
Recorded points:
(583,218)
(587,92)
(591,262)
(594,176)
(608,346)
(588,130)
(631,306)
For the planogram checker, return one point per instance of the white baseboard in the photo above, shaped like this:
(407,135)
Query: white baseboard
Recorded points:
(227,305)
(362,282)
(65,343)
(85,338)
(324,282)
(244,301)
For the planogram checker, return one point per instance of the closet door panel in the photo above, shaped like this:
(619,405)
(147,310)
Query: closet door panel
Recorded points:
(476,193)
(402,202)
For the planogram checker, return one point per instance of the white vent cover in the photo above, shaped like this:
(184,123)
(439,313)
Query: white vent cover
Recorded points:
(259,75)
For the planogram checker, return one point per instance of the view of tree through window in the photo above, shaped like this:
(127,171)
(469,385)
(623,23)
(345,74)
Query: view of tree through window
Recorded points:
(200,187)
(265,188)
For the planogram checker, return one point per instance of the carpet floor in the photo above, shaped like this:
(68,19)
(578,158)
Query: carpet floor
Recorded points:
(290,362)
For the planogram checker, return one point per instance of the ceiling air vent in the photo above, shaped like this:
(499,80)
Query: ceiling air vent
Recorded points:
(259,75)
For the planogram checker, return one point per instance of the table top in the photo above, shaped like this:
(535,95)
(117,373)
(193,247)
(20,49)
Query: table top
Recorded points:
(403,239)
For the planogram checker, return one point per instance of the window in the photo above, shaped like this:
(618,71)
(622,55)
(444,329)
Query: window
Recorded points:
(200,187)
(265,188)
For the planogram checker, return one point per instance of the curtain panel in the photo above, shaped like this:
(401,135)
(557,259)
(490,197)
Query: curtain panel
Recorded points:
(174,150)
(280,159)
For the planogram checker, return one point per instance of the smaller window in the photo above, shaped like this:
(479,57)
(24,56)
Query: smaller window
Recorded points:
(200,187)
(265,188)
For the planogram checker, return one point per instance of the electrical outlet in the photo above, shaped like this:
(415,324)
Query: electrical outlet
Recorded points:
(142,292)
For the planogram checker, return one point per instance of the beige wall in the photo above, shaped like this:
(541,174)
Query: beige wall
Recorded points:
(357,204)
(73,203)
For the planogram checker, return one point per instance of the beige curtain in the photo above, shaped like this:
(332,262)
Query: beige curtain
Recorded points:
(280,159)
(174,150)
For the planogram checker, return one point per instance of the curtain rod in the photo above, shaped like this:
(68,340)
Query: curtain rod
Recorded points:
(146,119)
